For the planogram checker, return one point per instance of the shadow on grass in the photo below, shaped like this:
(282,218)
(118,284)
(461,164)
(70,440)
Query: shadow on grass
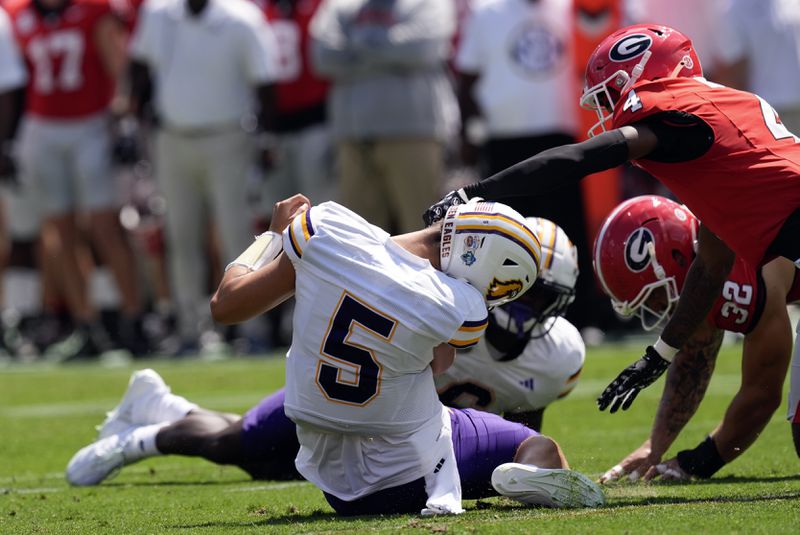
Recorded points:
(282,520)
(680,500)
(162,483)
(738,479)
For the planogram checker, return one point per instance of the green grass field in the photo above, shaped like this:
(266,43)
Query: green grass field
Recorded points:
(47,413)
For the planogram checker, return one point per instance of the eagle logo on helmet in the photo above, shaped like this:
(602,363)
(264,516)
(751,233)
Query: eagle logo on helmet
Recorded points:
(629,47)
(503,289)
(637,250)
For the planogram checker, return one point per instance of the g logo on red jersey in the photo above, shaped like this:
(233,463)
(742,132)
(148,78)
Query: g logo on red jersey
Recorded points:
(630,47)
(637,253)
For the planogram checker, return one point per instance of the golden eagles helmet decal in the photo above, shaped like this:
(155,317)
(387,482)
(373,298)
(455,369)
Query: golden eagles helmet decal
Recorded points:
(491,246)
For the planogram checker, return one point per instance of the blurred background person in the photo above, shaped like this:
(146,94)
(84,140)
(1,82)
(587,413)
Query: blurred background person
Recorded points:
(74,51)
(209,65)
(12,78)
(391,105)
(303,151)
(761,53)
(516,84)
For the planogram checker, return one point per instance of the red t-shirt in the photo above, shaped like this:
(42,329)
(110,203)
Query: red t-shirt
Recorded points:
(298,88)
(746,185)
(67,77)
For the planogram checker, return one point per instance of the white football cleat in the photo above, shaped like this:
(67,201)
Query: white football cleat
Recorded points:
(550,487)
(99,460)
(143,385)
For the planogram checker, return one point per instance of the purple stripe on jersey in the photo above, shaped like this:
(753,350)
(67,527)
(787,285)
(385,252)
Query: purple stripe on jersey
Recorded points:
(268,434)
(308,223)
(293,240)
(482,441)
(484,321)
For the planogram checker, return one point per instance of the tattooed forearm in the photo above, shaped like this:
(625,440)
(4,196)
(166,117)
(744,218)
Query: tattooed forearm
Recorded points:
(687,381)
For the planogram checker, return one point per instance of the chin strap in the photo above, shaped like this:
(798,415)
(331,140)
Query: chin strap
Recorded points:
(657,268)
(636,72)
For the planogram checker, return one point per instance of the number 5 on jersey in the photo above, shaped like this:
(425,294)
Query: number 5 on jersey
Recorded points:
(350,373)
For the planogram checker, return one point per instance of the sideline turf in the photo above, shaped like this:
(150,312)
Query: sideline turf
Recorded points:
(47,413)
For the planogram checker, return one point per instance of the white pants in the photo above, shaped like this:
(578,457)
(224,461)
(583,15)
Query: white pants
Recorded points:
(794,381)
(203,178)
(67,163)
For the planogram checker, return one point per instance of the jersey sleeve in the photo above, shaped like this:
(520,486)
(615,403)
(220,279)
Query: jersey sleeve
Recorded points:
(299,232)
(470,331)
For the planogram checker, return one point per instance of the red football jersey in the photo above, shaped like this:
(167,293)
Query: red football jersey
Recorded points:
(746,185)
(67,77)
(739,307)
(298,87)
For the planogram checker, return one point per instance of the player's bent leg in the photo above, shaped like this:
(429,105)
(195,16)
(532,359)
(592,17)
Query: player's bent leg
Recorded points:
(548,487)
(494,453)
(541,451)
(269,440)
(104,458)
(148,400)
(540,475)
(482,441)
(205,434)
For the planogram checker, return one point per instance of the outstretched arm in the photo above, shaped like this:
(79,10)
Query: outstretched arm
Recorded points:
(555,168)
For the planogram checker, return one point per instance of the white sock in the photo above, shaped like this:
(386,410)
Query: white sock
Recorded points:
(168,407)
(142,442)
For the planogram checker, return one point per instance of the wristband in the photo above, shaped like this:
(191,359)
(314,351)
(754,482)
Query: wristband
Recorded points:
(261,252)
(704,461)
(664,350)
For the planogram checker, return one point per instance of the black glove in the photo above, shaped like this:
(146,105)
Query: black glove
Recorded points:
(125,149)
(437,211)
(641,374)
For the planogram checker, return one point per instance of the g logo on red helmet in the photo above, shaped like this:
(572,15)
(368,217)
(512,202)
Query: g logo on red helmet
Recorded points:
(630,47)
(637,253)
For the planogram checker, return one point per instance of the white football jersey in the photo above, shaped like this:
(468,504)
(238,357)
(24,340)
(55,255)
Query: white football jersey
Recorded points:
(367,317)
(547,369)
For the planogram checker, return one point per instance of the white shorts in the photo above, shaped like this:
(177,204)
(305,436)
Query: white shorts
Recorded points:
(67,163)
(793,414)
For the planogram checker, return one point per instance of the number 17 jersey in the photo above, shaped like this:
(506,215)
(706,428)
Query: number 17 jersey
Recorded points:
(67,77)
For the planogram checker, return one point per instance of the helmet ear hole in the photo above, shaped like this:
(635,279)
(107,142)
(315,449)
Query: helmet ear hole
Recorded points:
(509,262)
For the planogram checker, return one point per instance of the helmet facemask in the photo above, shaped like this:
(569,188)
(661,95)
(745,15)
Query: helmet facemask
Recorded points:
(602,98)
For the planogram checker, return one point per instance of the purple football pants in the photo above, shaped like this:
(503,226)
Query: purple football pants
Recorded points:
(481,441)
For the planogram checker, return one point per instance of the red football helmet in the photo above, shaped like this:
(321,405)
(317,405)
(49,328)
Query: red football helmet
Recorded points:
(646,244)
(640,52)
